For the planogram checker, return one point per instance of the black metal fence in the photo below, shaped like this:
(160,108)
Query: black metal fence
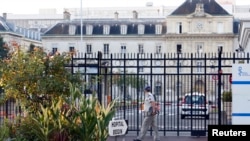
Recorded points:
(171,76)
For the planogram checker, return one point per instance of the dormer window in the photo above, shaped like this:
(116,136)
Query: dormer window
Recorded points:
(72,29)
(158,29)
(89,29)
(106,29)
(141,29)
(124,29)
(199,10)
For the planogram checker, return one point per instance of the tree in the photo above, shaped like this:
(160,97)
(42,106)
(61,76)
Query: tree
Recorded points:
(129,80)
(33,78)
(3,49)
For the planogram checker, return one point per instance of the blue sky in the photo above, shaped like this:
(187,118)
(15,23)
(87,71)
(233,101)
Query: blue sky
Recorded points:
(33,6)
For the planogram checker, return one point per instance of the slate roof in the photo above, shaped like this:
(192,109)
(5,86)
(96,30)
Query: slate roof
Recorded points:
(115,26)
(4,26)
(10,27)
(210,6)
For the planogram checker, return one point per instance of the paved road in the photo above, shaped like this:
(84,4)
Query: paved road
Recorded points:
(168,138)
(169,119)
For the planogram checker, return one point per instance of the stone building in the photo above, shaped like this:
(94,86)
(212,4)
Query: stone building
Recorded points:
(18,36)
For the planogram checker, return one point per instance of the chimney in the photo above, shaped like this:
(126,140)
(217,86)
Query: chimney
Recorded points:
(5,16)
(135,15)
(66,15)
(116,15)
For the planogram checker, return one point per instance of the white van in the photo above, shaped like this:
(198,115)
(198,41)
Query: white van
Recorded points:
(194,104)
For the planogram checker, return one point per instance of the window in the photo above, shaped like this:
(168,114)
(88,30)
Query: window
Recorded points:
(199,10)
(28,33)
(89,49)
(124,29)
(158,89)
(199,47)
(72,29)
(54,50)
(158,49)
(179,28)
(106,48)
(141,29)
(106,29)
(199,66)
(197,99)
(123,48)
(179,48)
(158,29)
(141,64)
(180,66)
(32,35)
(89,29)
(141,69)
(71,49)
(140,48)
(220,47)
(220,27)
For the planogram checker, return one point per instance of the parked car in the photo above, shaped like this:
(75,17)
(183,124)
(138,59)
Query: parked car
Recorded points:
(194,104)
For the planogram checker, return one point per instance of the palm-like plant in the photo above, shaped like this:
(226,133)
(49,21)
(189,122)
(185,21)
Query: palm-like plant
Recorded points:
(90,119)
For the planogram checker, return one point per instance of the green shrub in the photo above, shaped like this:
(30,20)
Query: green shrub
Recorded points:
(4,131)
(69,118)
(227,96)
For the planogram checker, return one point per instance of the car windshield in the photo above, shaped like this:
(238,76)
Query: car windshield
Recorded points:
(195,99)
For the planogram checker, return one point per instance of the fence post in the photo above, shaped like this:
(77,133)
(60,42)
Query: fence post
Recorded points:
(99,91)
(178,91)
(219,83)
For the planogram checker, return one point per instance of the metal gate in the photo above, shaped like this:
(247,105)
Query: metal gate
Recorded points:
(171,76)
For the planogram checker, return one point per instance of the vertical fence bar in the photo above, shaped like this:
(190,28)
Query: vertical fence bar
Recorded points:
(178,92)
(124,85)
(164,93)
(138,100)
(191,86)
(6,109)
(99,93)
(219,84)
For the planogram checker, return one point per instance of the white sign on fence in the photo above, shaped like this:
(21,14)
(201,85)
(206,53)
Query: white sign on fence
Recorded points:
(117,127)
(240,93)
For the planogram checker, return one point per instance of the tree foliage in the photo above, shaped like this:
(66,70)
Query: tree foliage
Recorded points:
(131,80)
(3,49)
(33,77)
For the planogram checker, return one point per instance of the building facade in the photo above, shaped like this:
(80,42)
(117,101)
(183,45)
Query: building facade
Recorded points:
(244,35)
(18,36)
(195,26)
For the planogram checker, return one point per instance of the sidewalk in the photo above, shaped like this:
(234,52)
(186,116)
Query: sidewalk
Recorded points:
(163,138)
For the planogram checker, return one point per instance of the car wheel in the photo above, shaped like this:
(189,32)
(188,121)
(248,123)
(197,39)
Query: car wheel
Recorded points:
(207,116)
(182,116)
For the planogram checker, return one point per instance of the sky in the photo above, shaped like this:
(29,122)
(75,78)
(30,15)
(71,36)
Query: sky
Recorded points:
(33,6)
